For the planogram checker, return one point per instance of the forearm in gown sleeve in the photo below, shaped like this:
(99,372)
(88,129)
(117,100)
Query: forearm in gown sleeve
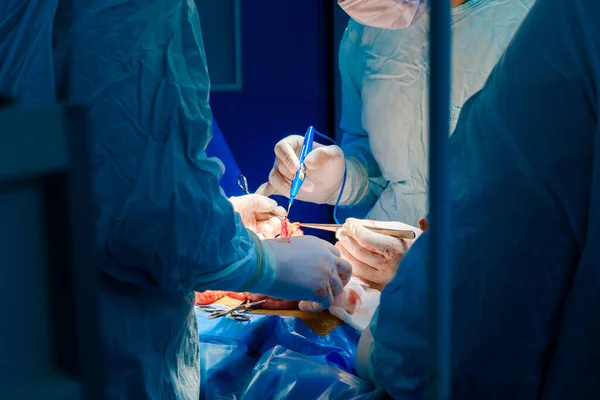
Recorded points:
(187,237)
(164,222)
(367,185)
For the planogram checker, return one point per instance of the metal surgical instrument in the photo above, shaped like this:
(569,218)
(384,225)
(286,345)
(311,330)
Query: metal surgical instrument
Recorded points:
(237,313)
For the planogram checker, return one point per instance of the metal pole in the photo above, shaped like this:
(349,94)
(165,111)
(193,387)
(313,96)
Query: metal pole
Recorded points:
(439,214)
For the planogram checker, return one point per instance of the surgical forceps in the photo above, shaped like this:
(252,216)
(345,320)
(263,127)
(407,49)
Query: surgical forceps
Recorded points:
(237,313)
(397,233)
(243,184)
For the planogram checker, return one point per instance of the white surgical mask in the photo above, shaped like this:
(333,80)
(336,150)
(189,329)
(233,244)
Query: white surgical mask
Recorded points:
(388,14)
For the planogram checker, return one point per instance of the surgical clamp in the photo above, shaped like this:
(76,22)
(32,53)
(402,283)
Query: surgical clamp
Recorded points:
(237,313)
(243,184)
(397,233)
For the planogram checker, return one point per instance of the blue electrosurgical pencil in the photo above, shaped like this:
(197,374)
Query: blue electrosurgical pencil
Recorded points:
(298,180)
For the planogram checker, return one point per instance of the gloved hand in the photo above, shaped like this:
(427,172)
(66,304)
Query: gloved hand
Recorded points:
(259,214)
(374,257)
(348,300)
(325,167)
(304,268)
(355,306)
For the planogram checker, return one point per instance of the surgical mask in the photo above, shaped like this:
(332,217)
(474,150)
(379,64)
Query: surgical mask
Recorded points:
(388,14)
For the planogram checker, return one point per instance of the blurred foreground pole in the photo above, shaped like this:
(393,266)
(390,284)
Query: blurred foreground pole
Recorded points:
(439,196)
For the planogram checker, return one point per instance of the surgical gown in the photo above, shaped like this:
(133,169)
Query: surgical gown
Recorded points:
(165,227)
(26,61)
(525,201)
(385,107)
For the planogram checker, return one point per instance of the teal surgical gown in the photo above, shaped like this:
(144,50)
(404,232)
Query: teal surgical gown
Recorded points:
(525,238)
(165,226)
(26,60)
(385,107)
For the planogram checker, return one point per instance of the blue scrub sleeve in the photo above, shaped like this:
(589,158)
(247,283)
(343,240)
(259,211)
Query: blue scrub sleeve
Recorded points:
(525,274)
(366,183)
(164,221)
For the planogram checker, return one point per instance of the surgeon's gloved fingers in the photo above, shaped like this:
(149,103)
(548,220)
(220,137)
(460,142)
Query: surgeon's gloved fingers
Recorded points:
(279,183)
(287,150)
(280,211)
(348,299)
(360,270)
(259,204)
(269,219)
(324,296)
(273,223)
(284,174)
(386,246)
(266,189)
(267,230)
(321,156)
(308,186)
(365,255)
(335,251)
(250,223)
(276,214)
(336,285)
(310,306)
(261,236)
(357,265)
(284,170)
(344,270)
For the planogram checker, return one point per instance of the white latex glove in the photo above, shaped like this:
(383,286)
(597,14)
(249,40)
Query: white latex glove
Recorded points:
(349,299)
(259,214)
(305,268)
(374,257)
(324,171)
(355,306)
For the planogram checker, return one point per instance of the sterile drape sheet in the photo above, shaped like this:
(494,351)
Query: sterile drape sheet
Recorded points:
(273,357)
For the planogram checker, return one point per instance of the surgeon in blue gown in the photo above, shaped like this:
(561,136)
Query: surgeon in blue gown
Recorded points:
(165,227)
(525,239)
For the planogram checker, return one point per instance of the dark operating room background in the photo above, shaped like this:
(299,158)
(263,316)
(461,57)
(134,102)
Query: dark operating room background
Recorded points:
(273,67)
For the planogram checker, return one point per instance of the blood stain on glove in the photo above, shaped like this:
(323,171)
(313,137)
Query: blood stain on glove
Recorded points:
(423,225)
(322,291)
(349,300)
(353,303)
